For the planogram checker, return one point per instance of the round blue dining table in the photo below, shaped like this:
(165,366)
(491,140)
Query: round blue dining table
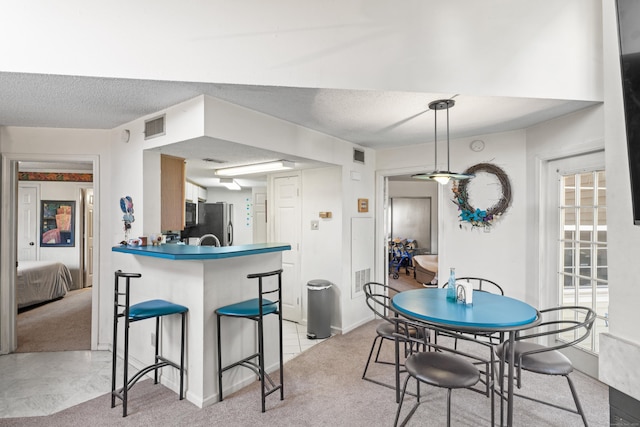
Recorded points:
(488,313)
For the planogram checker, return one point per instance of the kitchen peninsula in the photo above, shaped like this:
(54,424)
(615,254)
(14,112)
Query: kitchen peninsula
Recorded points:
(202,278)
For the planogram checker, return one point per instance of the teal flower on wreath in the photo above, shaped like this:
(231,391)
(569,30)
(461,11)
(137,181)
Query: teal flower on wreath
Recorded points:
(474,216)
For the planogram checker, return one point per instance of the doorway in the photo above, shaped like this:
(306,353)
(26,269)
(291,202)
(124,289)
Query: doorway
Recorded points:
(400,187)
(286,208)
(10,227)
(86,258)
(28,197)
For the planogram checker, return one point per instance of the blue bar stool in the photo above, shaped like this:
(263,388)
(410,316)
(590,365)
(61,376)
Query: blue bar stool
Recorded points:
(255,309)
(144,310)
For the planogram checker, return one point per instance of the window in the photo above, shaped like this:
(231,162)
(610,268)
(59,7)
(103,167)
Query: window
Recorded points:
(583,274)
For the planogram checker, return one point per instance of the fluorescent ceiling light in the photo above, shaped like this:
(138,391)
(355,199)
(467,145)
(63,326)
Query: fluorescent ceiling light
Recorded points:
(256,168)
(230,183)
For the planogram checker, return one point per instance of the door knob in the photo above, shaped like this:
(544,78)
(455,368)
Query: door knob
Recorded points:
(31,243)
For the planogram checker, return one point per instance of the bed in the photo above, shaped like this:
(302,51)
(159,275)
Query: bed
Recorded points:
(426,269)
(41,281)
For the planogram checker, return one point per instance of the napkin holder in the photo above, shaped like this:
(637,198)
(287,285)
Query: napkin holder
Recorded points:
(464,293)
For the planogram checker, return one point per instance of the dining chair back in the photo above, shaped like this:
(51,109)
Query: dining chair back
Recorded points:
(378,299)
(561,327)
(438,366)
(484,285)
(480,284)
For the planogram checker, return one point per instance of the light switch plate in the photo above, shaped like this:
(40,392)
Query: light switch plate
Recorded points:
(315,224)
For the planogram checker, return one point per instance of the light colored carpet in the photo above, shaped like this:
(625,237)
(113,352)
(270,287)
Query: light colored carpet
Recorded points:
(323,387)
(61,325)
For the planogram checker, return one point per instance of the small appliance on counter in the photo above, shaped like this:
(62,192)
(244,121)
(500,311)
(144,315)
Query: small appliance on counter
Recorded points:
(172,238)
(190,212)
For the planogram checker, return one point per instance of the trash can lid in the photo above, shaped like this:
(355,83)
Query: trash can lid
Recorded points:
(318,284)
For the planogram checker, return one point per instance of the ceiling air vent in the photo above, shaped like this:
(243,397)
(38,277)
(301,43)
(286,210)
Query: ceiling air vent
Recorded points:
(358,156)
(154,127)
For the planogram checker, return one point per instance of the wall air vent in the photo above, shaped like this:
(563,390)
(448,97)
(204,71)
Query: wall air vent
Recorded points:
(154,127)
(362,254)
(358,156)
(361,277)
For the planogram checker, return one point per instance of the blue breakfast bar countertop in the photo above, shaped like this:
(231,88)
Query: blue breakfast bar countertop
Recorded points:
(191,252)
(201,278)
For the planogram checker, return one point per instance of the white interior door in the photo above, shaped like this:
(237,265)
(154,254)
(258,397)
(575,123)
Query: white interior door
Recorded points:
(27,223)
(287,230)
(88,237)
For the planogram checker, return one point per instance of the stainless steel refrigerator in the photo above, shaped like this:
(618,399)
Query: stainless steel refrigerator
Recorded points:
(216,219)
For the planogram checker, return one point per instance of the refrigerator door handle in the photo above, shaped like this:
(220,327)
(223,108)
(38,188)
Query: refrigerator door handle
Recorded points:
(230,233)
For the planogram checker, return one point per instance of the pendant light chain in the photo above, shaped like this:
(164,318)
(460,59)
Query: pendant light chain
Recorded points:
(435,138)
(448,156)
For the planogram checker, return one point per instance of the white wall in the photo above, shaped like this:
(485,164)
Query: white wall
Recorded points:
(242,211)
(544,48)
(498,253)
(474,252)
(321,257)
(354,309)
(622,347)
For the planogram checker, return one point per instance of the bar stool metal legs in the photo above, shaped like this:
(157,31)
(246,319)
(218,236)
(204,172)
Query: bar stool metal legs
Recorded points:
(144,310)
(255,309)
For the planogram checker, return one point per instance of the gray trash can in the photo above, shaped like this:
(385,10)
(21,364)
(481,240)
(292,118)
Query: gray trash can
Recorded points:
(319,309)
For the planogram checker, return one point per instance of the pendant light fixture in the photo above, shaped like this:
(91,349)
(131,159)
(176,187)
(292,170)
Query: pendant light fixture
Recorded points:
(442,177)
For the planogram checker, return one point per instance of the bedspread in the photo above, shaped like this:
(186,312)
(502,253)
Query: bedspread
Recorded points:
(40,281)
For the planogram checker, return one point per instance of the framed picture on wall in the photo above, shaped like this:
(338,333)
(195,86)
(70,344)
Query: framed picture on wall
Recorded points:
(363,205)
(57,223)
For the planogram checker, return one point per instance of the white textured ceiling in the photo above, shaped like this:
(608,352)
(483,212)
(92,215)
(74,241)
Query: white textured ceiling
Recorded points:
(370,118)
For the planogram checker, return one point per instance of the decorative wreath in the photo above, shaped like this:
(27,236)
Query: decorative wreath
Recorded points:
(478,217)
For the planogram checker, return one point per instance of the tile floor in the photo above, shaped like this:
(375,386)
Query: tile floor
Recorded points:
(33,384)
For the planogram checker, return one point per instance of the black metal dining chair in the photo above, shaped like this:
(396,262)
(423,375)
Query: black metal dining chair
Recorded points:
(440,366)
(378,298)
(561,327)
